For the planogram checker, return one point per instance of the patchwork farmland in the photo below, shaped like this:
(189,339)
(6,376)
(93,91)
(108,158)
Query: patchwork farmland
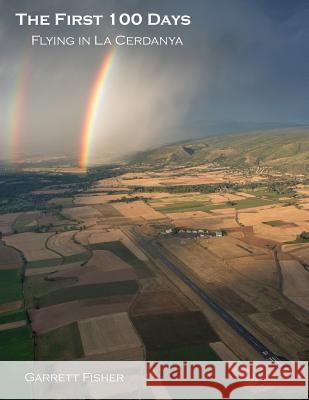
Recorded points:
(80,282)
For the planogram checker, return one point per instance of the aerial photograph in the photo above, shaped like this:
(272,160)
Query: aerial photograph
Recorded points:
(154,180)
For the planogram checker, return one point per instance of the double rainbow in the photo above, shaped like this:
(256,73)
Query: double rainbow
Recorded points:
(93,107)
(17,109)
(19,100)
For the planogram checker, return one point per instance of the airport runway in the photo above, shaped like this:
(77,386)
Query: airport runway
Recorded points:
(156,252)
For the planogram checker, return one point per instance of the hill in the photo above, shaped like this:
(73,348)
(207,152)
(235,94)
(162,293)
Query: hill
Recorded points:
(286,150)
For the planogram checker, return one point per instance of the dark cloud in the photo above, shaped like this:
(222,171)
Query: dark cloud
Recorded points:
(243,60)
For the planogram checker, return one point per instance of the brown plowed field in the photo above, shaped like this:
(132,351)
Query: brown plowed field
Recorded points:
(157,303)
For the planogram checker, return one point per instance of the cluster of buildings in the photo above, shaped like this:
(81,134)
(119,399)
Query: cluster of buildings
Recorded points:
(192,232)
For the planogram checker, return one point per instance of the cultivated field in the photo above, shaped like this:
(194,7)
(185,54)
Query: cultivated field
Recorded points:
(82,292)
(296,282)
(158,302)
(94,236)
(299,251)
(194,220)
(292,222)
(11,306)
(81,213)
(176,335)
(9,257)
(172,177)
(45,271)
(109,336)
(229,247)
(7,222)
(98,199)
(12,325)
(92,290)
(61,344)
(16,344)
(64,244)
(49,318)
(103,266)
(32,245)
(137,209)
(223,351)
(245,284)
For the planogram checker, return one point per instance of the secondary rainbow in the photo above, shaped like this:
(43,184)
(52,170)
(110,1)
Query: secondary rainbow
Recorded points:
(93,106)
(17,109)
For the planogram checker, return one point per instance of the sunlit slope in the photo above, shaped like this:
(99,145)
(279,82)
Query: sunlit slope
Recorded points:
(283,149)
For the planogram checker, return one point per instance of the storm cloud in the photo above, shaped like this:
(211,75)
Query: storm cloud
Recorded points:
(242,61)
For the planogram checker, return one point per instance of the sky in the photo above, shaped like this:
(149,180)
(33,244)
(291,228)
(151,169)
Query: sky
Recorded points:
(242,62)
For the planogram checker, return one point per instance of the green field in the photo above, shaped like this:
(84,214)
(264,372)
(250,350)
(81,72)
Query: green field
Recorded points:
(269,194)
(10,285)
(108,211)
(247,203)
(199,352)
(33,221)
(16,344)
(65,202)
(180,207)
(12,316)
(59,344)
(121,251)
(191,206)
(76,258)
(86,292)
(207,206)
(37,285)
(20,227)
(44,263)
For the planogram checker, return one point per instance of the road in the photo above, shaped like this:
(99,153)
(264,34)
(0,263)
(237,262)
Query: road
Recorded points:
(155,251)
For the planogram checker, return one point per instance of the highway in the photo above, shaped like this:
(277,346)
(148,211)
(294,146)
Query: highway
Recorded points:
(155,251)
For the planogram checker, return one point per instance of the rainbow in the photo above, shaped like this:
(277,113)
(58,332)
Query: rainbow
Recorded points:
(18,109)
(93,106)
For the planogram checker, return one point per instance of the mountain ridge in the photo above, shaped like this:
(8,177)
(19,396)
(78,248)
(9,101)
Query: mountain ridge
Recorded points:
(285,149)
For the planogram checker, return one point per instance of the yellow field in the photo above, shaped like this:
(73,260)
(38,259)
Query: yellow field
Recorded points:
(199,219)
(278,233)
(288,338)
(110,334)
(257,215)
(103,266)
(81,213)
(294,247)
(251,278)
(218,198)
(33,245)
(99,199)
(106,261)
(138,209)
(228,247)
(298,250)
(6,221)
(303,254)
(296,282)
(63,243)
(52,317)
(93,236)
(257,268)
(292,222)
(303,189)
